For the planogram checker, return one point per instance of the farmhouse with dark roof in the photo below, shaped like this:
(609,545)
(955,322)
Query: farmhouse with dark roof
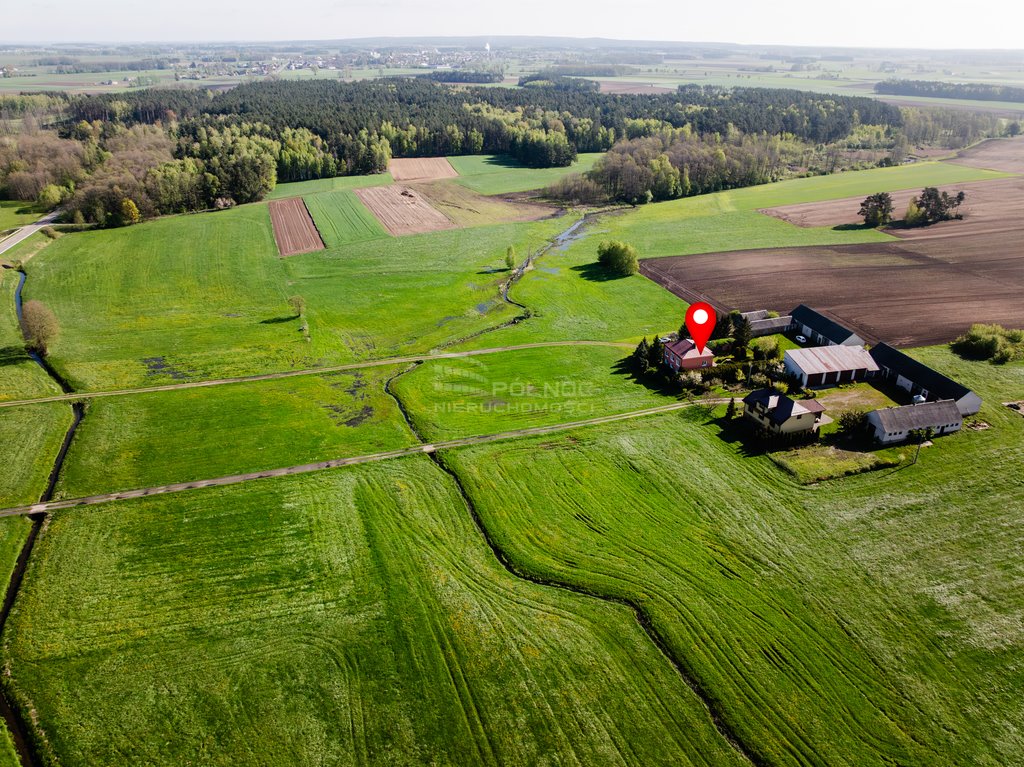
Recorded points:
(779,414)
(821,330)
(919,379)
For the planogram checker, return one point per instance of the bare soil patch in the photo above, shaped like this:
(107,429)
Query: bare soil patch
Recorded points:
(615,86)
(403,210)
(990,207)
(294,230)
(1005,154)
(468,208)
(910,293)
(421,169)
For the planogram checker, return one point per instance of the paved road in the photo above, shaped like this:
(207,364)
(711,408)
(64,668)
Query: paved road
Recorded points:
(338,463)
(27,231)
(76,396)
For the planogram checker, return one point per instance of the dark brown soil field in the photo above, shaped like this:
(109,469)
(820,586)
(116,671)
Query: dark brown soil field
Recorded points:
(910,293)
(421,168)
(991,207)
(294,230)
(1006,154)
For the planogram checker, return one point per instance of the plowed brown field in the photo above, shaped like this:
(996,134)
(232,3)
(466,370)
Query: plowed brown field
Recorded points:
(909,293)
(990,207)
(1006,154)
(294,230)
(421,169)
(403,210)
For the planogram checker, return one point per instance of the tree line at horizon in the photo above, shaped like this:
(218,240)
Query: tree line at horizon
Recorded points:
(176,150)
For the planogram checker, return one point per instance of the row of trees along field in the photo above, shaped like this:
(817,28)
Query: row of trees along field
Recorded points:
(942,90)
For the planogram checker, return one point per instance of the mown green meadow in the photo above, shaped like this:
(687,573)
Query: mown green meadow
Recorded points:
(867,620)
(447,399)
(30,438)
(351,617)
(203,296)
(14,214)
(177,436)
(495,174)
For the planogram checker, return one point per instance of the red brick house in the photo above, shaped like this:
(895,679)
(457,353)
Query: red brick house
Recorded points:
(683,355)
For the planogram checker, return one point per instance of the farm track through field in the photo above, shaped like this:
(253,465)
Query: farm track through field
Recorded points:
(428,448)
(384,362)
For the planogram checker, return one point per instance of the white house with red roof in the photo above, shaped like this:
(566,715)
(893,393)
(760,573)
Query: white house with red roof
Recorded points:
(683,355)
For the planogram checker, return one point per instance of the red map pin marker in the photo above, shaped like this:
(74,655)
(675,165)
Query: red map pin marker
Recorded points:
(700,321)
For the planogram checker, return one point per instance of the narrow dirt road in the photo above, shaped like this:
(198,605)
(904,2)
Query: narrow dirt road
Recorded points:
(236,479)
(310,371)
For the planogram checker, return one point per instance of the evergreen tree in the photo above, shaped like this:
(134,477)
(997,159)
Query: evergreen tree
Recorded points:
(730,412)
(655,354)
(741,337)
(641,355)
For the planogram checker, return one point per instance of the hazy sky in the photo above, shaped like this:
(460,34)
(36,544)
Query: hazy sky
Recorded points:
(882,23)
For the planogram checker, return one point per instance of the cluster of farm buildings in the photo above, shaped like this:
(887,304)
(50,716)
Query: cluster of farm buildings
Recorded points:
(836,355)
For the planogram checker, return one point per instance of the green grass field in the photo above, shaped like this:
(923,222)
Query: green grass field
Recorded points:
(206,296)
(353,617)
(13,532)
(20,377)
(495,174)
(336,184)
(863,621)
(14,214)
(178,436)
(342,218)
(455,398)
(31,438)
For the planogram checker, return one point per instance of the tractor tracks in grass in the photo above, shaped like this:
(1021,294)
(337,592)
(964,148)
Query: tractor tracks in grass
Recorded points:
(642,618)
(383,362)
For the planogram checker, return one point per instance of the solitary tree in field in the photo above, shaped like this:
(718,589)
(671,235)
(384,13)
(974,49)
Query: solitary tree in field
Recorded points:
(39,326)
(618,258)
(298,304)
(510,257)
(877,209)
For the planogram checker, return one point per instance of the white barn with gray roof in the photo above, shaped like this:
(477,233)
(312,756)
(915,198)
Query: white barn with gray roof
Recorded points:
(894,424)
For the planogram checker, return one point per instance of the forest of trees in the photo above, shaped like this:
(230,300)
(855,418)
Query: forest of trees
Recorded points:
(176,149)
(678,163)
(941,90)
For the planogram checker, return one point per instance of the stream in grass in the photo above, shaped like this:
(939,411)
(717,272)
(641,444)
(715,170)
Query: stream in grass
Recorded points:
(20,734)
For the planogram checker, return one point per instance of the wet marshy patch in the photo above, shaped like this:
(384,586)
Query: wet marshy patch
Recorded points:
(159,366)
